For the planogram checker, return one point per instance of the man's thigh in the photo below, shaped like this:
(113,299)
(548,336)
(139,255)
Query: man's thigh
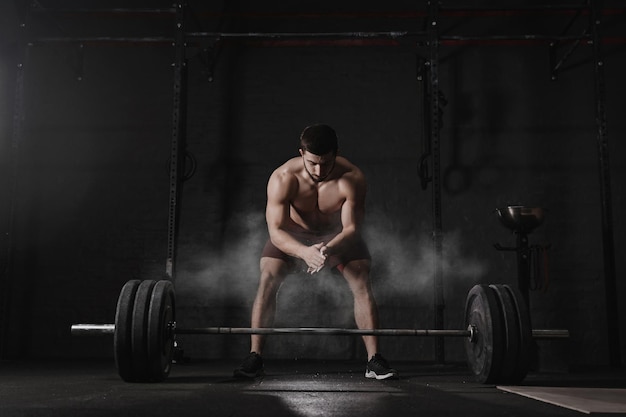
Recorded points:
(357,272)
(274,268)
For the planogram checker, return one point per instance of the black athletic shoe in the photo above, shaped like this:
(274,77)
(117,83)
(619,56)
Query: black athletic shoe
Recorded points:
(251,367)
(378,368)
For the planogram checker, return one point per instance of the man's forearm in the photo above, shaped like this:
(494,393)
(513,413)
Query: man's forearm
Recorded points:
(287,243)
(340,241)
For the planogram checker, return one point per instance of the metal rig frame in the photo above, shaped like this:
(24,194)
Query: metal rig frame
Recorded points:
(430,37)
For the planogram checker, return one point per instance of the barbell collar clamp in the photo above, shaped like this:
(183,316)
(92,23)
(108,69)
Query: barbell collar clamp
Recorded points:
(472,333)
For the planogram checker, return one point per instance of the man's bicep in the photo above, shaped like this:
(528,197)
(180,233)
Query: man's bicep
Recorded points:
(353,209)
(352,215)
(275,214)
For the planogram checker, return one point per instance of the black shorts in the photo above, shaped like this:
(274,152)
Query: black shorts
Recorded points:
(356,251)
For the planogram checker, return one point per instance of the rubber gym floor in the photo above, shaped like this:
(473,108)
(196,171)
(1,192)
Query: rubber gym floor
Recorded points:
(292,388)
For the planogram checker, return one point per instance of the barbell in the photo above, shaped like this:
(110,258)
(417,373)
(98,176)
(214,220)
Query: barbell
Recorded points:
(498,334)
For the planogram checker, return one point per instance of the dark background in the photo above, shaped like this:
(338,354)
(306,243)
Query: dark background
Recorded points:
(85,189)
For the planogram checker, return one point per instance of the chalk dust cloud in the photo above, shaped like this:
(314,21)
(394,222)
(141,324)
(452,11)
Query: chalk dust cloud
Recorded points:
(403,268)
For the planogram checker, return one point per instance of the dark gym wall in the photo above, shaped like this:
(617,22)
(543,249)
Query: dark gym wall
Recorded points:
(91,206)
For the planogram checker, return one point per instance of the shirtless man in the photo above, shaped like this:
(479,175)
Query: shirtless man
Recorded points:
(315,208)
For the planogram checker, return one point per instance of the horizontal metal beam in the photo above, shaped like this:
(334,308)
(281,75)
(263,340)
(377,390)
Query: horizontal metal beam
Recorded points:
(321,39)
(522,37)
(478,11)
(101,11)
(408,14)
(262,38)
(298,35)
(95,329)
(165,40)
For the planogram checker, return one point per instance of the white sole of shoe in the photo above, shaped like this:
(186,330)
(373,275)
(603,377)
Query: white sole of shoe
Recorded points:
(374,375)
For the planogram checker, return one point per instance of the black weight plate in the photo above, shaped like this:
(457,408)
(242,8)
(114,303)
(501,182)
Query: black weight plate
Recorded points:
(526,343)
(122,350)
(511,334)
(484,353)
(139,331)
(160,335)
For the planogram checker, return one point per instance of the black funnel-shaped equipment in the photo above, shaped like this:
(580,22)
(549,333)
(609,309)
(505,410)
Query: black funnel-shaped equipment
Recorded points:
(521,219)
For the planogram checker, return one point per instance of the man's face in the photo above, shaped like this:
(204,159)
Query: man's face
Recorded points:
(318,166)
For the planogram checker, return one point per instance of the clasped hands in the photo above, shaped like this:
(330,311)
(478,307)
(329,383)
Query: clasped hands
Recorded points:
(316,258)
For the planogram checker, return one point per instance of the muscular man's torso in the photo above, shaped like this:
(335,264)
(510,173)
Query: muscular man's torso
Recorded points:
(316,206)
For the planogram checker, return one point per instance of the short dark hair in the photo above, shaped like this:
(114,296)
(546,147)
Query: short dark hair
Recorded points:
(319,139)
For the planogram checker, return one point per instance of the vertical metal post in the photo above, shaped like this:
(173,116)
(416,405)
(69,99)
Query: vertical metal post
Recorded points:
(433,43)
(177,151)
(7,274)
(523,266)
(610,285)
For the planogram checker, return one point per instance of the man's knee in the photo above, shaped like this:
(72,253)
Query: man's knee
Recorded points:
(357,274)
(357,269)
(273,271)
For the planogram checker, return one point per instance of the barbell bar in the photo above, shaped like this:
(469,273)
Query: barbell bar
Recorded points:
(81,329)
(498,335)
(94,329)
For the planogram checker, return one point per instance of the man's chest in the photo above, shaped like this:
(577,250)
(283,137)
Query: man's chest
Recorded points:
(324,199)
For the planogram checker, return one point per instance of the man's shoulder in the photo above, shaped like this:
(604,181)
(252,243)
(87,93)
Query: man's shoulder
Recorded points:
(287,173)
(349,171)
(288,169)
